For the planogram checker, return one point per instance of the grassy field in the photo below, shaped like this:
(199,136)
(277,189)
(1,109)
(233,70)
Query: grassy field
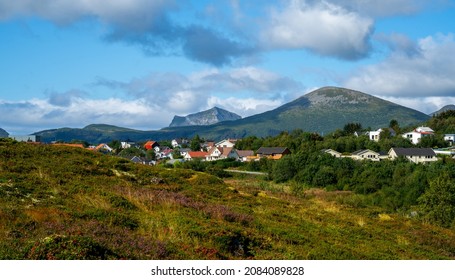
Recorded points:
(69,203)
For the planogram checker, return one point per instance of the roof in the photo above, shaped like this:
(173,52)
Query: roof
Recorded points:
(245,153)
(226,151)
(359,152)
(197,154)
(271,150)
(414,151)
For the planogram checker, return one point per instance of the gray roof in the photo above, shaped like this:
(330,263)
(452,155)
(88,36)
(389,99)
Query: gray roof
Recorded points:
(272,150)
(414,152)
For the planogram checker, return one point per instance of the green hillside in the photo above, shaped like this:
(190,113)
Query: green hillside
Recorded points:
(68,203)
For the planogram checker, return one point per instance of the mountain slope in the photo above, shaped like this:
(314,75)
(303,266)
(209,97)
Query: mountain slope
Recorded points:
(208,117)
(443,109)
(3,133)
(324,111)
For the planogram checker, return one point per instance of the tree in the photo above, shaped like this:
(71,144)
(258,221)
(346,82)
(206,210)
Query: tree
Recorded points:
(438,202)
(195,144)
(350,128)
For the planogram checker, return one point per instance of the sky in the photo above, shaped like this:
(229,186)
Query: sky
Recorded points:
(137,63)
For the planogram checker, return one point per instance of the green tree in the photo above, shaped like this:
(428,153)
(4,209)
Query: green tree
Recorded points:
(350,128)
(438,202)
(195,144)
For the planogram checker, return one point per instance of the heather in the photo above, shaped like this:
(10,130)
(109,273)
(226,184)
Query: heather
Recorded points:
(61,202)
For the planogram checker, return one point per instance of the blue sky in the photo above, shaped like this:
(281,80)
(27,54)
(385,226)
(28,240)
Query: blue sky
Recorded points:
(137,63)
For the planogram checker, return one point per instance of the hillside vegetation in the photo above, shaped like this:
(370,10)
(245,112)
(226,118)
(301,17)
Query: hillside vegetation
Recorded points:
(59,202)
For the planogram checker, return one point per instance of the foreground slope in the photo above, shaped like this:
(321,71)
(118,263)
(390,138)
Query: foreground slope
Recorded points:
(68,203)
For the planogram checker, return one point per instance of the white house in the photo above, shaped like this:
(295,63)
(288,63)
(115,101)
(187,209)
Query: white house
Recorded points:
(332,152)
(416,155)
(449,138)
(217,153)
(227,143)
(179,142)
(366,155)
(418,133)
(376,134)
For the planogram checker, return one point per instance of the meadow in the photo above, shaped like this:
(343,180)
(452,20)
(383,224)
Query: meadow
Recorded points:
(60,202)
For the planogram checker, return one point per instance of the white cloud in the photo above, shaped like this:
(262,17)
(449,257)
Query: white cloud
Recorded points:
(188,94)
(423,80)
(385,8)
(322,27)
(120,12)
(38,114)
(426,105)
(428,73)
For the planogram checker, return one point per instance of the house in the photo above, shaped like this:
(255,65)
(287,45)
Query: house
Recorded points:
(449,138)
(142,160)
(127,144)
(179,142)
(217,153)
(165,152)
(365,155)
(332,152)
(207,145)
(417,134)
(103,148)
(227,143)
(243,155)
(150,145)
(416,155)
(196,154)
(214,154)
(272,152)
(376,135)
(184,151)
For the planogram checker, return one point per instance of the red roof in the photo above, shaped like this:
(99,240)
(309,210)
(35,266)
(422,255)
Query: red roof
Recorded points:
(149,145)
(197,154)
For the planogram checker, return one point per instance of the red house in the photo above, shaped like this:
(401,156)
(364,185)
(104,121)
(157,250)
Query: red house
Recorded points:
(150,145)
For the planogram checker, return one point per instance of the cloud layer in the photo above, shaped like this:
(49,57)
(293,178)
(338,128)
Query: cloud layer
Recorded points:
(151,102)
(424,74)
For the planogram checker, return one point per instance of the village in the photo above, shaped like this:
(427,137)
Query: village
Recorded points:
(179,150)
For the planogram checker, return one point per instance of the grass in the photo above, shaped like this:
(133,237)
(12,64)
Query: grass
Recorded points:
(68,203)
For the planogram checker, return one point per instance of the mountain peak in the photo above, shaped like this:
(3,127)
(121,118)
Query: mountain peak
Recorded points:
(208,117)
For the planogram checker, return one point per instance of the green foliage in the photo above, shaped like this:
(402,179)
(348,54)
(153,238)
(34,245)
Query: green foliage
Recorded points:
(438,201)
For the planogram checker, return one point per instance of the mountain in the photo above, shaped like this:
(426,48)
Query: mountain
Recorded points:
(211,116)
(443,109)
(323,111)
(3,133)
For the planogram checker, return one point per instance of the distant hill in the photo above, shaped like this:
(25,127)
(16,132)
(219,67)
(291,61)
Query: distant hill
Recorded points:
(323,111)
(3,133)
(443,109)
(208,117)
